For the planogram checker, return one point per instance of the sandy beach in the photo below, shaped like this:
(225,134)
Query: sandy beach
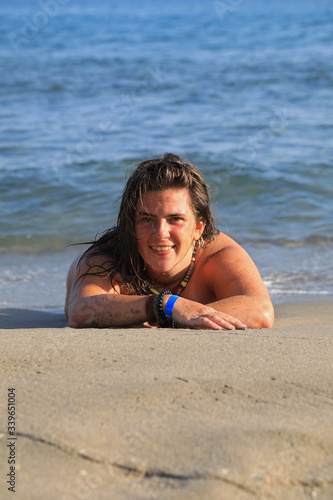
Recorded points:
(168,414)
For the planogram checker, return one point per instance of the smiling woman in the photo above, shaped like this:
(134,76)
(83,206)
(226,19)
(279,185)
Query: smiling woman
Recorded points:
(164,263)
(166,229)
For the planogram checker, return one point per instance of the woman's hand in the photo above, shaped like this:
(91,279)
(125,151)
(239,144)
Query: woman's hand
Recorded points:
(190,314)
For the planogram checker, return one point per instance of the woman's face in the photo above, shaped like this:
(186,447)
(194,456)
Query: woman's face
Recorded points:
(166,230)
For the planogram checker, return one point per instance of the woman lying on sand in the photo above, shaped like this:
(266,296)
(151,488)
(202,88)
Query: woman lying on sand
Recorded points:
(164,263)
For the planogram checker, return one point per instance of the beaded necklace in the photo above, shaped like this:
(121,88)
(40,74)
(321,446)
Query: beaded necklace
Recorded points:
(183,282)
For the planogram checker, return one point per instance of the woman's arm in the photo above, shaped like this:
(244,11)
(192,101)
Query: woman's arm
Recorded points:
(101,310)
(255,311)
(92,302)
(239,288)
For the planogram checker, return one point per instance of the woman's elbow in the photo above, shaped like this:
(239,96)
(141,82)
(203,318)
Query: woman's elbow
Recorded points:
(75,322)
(266,322)
(79,316)
(267,316)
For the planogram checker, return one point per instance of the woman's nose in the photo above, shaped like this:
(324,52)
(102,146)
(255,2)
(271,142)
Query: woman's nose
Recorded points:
(161,229)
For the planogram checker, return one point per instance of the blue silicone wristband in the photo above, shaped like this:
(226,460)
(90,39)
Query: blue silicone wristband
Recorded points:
(169,306)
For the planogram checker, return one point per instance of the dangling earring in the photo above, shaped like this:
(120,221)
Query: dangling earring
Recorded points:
(197,245)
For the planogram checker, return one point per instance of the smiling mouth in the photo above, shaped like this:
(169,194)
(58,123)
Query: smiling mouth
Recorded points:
(162,249)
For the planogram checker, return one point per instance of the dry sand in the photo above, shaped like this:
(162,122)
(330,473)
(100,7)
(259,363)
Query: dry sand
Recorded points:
(169,414)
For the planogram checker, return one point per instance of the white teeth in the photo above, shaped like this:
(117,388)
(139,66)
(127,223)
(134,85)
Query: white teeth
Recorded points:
(161,249)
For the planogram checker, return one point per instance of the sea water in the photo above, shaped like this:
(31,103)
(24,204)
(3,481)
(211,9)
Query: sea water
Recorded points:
(242,89)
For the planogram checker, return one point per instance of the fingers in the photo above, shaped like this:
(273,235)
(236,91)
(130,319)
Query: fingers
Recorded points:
(216,322)
(191,314)
(213,322)
(236,323)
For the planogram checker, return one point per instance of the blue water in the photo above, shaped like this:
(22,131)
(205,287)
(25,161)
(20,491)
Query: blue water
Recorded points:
(242,89)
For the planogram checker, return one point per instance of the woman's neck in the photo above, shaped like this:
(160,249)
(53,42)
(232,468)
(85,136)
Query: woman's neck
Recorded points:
(167,280)
(173,282)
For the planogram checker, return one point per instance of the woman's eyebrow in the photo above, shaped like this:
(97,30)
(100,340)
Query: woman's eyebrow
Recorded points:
(180,214)
(146,213)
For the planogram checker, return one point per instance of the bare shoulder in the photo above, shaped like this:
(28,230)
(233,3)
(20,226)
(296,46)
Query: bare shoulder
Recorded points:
(222,248)
(221,242)
(229,269)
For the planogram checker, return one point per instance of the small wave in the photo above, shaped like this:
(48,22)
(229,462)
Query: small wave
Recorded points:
(295,291)
(313,240)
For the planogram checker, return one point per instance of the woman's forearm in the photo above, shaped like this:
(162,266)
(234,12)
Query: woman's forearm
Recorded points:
(254,311)
(112,310)
(107,310)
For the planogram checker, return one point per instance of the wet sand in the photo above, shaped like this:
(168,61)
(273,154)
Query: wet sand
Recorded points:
(169,414)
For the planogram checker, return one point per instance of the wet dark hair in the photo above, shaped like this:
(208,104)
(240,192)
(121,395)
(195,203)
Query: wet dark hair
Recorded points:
(120,243)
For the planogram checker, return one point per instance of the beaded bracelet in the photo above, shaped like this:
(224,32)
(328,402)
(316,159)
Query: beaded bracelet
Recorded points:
(149,310)
(159,315)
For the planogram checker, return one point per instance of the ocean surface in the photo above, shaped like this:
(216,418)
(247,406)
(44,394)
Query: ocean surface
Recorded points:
(243,89)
